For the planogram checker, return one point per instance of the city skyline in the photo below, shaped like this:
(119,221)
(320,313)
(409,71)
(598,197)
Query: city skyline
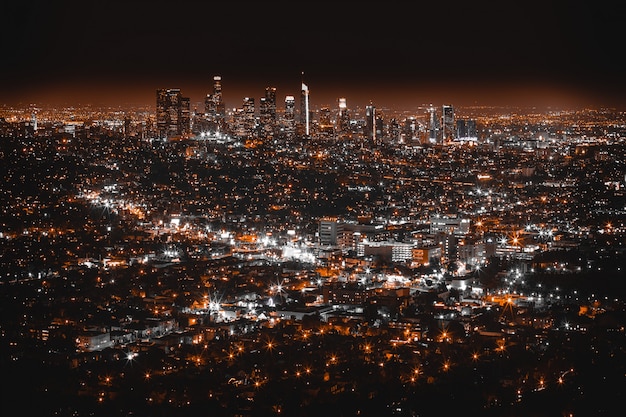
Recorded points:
(539,55)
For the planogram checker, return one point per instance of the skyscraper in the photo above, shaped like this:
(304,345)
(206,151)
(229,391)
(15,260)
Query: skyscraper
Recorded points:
(343,120)
(379,125)
(305,116)
(214,107)
(447,123)
(267,110)
(370,122)
(466,130)
(173,116)
(411,128)
(248,115)
(290,114)
(34,121)
(325,123)
(433,125)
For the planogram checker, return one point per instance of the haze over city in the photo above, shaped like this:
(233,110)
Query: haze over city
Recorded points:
(392,54)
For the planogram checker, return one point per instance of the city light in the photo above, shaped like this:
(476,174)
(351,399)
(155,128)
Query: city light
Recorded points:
(187,256)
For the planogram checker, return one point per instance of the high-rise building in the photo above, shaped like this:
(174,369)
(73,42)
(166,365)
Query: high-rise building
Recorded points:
(267,111)
(379,126)
(248,115)
(289,116)
(305,110)
(447,123)
(433,125)
(330,231)
(466,130)
(411,129)
(214,107)
(244,121)
(270,96)
(173,115)
(370,122)
(343,119)
(325,123)
(394,130)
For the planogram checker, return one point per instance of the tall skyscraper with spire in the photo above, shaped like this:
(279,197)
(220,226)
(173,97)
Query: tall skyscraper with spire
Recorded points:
(305,109)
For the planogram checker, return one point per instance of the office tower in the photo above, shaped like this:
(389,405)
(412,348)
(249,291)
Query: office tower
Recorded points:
(214,107)
(290,108)
(244,121)
(447,123)
(270,97)
(217,96)
(472,132)
(325,122)
(330,231)
(185,117)
(127,126)
(370,122)
(395,130)
(267,111)
(305,115)
(466,130)
(378,126)
(263,111)
(433,126)
(343,119)
(289,122)
(249,120)
(411,129)
(173,116)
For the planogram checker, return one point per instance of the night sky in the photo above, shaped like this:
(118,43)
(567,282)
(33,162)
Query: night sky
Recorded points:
(390,53)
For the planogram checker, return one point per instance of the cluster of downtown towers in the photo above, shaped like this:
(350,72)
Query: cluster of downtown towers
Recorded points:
(174,118)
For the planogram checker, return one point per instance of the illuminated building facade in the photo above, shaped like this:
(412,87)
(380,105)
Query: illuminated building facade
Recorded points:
(289,119)
(390,251)
(345,293)
(449,225)
(244,121)
(330,231)
(305,110)
(326,126)
(249,121)
(433,126)
(410,129)
(343,119)
(267,111)
(214,107)
(370,122)
(173,116)
(447,123)
(425,254)
(466,130)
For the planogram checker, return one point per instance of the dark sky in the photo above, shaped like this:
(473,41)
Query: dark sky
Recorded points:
(387,52)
